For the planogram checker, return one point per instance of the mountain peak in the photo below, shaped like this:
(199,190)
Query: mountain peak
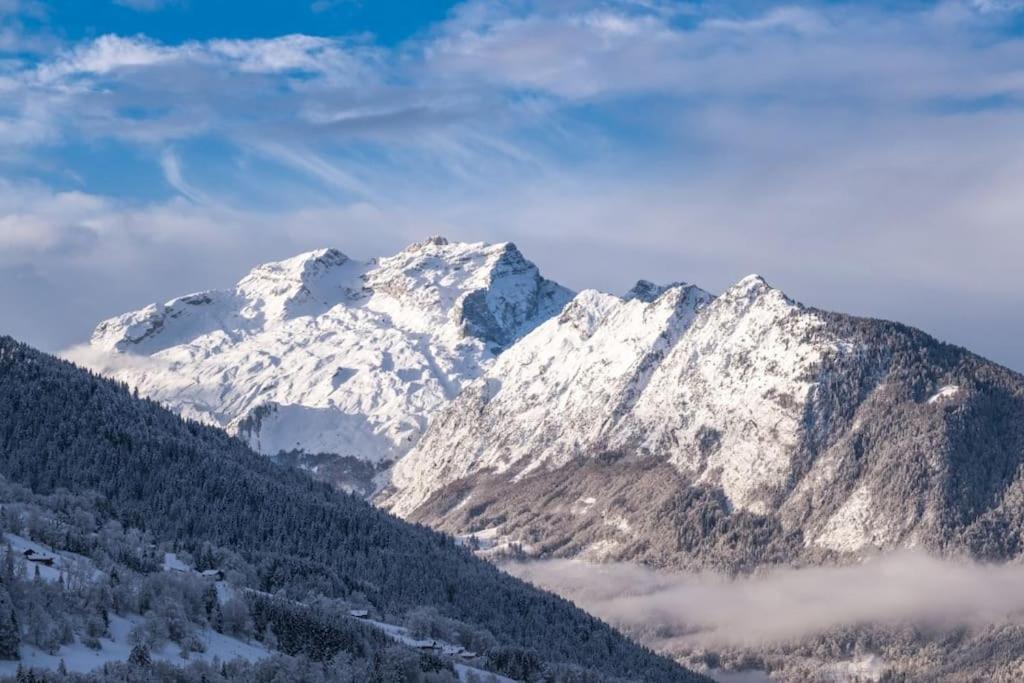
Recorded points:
(327,354)
(295,269)
(752,281)
(432,241)
(588,310)
(750,288)
(647,291)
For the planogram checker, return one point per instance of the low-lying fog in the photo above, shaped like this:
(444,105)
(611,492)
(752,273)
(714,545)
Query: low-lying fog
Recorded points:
(784,604)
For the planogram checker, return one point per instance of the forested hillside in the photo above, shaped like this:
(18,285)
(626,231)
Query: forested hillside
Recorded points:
(185,483)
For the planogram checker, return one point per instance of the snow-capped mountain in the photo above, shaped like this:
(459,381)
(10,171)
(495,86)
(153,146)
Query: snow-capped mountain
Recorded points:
(324,354)
(684,429)
(667,425)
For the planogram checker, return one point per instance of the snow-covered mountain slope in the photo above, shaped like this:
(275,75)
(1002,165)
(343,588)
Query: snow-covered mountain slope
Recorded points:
(325,354)
(553,395)
(685,373)
(667,425)
(684,430)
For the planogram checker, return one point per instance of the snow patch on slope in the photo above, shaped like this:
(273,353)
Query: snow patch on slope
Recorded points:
(78,658)
(849,529)
(946,392)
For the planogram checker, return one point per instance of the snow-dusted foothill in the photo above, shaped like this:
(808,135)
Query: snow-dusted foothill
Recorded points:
(240,544)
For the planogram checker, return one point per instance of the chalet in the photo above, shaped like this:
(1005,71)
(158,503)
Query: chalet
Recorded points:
(452,650)
(173,564)
(359,613)
(213,574)
(467,654)
(428,644)
(33,556)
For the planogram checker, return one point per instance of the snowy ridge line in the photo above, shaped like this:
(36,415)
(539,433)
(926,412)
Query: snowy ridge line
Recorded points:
(812,427)
(324,354)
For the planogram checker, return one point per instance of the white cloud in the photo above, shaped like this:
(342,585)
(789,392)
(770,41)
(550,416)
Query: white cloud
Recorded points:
(35,220)
(104,55)
(998,5)
(109,362)
(797,19)
(142,5)
(667,141)
(700,610)
(338,59)
(171,166)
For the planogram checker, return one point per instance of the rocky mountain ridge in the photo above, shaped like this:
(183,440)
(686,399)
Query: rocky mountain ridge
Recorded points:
(747,430)
(668,426)
(324,354)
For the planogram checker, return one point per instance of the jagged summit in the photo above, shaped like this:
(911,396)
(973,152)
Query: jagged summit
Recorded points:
(647,291)
(748,287)
(269,294)
(636,375)
(325,256)
(296,270)
(324,353)
(752,281)
(752,287)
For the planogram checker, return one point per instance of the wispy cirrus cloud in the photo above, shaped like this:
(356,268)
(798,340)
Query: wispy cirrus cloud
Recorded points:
(664,140)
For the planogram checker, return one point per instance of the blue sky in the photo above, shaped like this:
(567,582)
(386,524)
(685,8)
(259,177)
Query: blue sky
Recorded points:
(864,157)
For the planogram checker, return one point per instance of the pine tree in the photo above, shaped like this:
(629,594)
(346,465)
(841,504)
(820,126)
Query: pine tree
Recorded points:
(210,600)
(270,638)
(10,636)
(218,618)
(9,574)
(139,655)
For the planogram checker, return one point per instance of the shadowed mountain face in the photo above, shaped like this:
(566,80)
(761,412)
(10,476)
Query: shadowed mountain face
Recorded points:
(686,431)
(64,428)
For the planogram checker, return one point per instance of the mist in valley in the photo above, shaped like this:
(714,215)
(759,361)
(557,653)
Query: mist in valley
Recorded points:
(690,611)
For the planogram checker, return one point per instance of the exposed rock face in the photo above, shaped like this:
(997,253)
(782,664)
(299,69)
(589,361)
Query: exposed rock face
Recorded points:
(687,430)
(326,355)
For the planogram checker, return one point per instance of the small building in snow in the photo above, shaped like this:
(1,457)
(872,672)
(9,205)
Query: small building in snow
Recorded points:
(423,644)
(33,556)
(359,613)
